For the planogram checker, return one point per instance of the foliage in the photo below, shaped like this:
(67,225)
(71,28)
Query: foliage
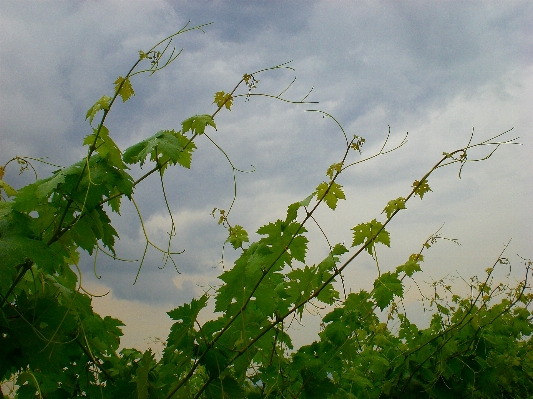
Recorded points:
(55,346)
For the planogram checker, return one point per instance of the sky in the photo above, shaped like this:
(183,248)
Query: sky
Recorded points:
(432,69)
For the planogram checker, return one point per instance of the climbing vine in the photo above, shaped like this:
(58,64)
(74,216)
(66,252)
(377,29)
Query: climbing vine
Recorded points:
(53,345)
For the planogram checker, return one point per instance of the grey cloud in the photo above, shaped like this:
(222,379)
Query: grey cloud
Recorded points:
(232,19)
(372,65)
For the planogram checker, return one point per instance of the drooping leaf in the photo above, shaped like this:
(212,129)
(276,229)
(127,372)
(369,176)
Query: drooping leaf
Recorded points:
(19,245)
(385,287)
(197,124)
(102,104)
(164,146)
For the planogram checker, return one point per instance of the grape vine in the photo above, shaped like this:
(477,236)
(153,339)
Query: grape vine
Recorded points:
(53,344)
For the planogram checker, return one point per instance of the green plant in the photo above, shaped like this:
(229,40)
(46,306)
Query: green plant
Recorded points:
(56,346)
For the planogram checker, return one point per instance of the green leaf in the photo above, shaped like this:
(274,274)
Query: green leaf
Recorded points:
(102,104)
(385,287)
(224,388)
(197,123)
(307,201)
(30,196)
(142,374)
(394,205)
(19,245)
(10,191)
(421,187)
(279,236)
(185,317)
(330,193)
(292,212)
(298,248)
(316,387)
(164,146)
(302,283)
(412,265)
(237,235)
(334,169)
(83,235)
(339,249)
(115,202)
(105,146)
(123,88)
(187,314)
(368,233)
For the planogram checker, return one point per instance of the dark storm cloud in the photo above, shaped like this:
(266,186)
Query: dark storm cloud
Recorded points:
(244,21)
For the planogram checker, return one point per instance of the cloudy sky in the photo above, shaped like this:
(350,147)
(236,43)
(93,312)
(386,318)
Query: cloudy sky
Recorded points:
(433,69)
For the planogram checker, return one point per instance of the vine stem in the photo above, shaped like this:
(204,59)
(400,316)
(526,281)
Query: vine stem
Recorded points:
(24,268)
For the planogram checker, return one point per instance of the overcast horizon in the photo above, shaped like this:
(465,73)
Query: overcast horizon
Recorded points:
(434,70)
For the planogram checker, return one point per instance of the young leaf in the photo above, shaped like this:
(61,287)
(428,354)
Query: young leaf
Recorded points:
(357,143)
(142,55)
(223,99)
(421,187)
(197,123)
(394,205)
(101,104)
(123,88)
(330,196)
(365,232)
(385,287)
(237,235)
